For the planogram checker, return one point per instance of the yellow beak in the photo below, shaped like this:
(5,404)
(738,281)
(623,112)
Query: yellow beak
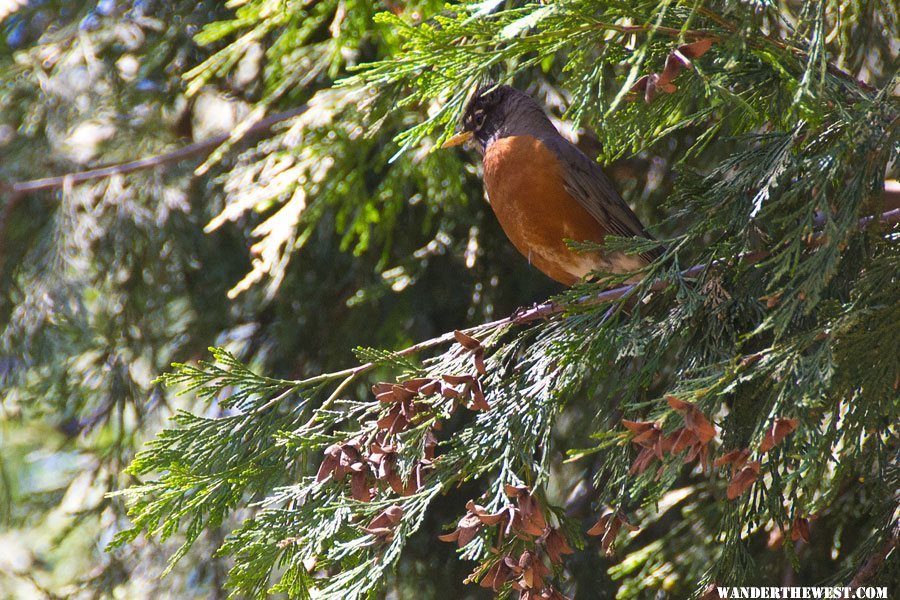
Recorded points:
(460,138)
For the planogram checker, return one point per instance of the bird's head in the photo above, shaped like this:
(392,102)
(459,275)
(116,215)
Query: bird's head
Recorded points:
(490,113)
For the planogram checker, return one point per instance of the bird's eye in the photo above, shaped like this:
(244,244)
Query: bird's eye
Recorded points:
(479,120)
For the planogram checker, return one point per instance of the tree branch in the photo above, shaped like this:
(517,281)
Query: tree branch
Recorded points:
(868,570)
(196,149)
(17,192)
(731,28)
(549,308)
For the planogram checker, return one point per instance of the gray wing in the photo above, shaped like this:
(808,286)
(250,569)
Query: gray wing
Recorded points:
(588,184)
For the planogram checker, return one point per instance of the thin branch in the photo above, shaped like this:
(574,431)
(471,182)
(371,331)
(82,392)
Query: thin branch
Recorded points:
(832,68)
(17,192)
(550,308)
(872,565)
(196,149)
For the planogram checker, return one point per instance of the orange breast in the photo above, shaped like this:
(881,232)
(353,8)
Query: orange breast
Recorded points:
(526,189)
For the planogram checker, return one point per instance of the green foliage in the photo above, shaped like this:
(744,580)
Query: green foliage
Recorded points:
(758,164)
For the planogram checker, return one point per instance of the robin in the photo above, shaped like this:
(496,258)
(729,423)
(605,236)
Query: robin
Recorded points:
(544,190)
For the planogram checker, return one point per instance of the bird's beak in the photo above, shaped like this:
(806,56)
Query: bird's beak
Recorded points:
(460,138)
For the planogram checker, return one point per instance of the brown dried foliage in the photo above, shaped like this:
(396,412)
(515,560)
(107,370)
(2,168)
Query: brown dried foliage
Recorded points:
(678,59)
(473,346)
(378,463)
(384,524)
(694,437)
(527,521)
(800,529)
(743,480)
(609,526)
(779,430)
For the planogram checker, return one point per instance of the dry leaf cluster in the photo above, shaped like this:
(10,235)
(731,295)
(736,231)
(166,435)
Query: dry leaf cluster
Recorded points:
(678,59)
(695,437)
(525,520)
(371,461)
(609,526)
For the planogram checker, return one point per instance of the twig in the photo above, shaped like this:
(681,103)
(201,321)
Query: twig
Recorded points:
(334,395)
(725,24)
(196,149)
(670,31)
(871,567)
(17,192)
(549,308)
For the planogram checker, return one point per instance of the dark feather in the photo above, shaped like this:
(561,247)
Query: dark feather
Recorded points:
(589,185)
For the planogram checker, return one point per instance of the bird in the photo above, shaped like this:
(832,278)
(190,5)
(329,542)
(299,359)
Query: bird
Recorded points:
(544,190)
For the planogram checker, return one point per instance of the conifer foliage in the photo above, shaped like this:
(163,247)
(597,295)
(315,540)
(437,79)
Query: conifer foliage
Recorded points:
(730,419)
